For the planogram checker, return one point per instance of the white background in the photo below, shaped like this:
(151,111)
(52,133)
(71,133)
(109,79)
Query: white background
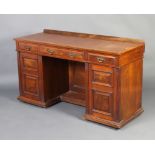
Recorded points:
(78,147)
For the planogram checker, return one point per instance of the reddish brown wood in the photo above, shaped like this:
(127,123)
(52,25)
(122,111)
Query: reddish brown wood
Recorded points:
(29,76)
(102,73)
(62,53)
(102,59)
(27,47)
(77,84)
(55,75)
(131,88)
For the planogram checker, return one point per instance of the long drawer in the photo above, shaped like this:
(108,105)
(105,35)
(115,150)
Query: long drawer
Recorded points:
(62,53)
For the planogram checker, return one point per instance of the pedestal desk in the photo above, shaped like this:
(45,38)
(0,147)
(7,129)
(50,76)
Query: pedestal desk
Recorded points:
(101,73)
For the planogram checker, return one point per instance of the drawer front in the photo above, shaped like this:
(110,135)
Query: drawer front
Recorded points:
(29,63)
(102,77)
(28,47)
(62,53)
(30,86)
(101,59)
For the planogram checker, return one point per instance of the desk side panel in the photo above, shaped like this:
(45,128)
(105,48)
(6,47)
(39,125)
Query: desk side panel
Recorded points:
(131,89)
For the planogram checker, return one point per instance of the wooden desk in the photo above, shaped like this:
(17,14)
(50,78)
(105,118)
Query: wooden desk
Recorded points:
(101,73)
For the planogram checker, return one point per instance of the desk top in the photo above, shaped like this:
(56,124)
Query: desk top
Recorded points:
(82,41)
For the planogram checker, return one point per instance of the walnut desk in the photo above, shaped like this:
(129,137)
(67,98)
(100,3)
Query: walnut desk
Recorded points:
(101,73)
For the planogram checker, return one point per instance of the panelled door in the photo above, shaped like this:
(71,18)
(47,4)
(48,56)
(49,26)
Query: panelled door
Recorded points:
(29,76)
(101,91)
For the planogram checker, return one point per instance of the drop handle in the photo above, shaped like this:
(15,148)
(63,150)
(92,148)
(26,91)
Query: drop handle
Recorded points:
(28,48)
(50,51)
(100,59)
(72,55)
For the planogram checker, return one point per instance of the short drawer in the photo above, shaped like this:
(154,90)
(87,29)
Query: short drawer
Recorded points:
(101,59)
(29,63)
(102,78)
(27,47)
(62,53)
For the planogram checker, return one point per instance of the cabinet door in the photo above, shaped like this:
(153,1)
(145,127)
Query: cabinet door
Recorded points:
(30,86)
(29,76)
(101,92)
(102,104)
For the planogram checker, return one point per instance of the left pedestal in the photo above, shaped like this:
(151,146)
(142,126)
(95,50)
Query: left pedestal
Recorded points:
(29,79)
(41,80)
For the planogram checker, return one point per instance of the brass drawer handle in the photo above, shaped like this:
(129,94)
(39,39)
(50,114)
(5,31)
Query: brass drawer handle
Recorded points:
(72,55)
(50,51)
(28,48)
(100,59)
